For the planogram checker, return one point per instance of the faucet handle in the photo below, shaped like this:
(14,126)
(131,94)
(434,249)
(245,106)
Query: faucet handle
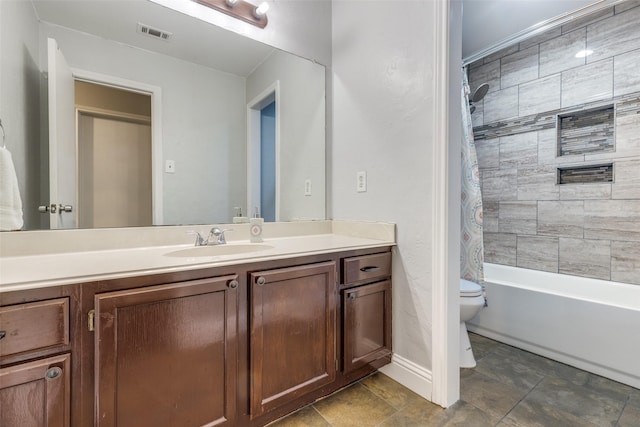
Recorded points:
(219,234)
(200,241)
(218,230)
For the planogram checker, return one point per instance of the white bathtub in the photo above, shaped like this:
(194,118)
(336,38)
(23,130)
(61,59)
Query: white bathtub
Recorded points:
(587,323)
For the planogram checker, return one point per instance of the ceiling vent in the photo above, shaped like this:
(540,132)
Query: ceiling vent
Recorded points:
(154,32)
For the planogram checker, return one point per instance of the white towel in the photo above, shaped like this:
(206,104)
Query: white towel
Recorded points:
(10,202)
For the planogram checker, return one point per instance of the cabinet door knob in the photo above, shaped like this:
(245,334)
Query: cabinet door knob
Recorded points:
(53,373)
(233,284)
(3,334)
(261,280)
(352,296)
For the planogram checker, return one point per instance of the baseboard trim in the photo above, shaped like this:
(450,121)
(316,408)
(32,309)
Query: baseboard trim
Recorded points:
(411,375)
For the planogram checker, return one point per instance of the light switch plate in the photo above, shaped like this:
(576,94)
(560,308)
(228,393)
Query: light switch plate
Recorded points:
(170,166)
(361,181)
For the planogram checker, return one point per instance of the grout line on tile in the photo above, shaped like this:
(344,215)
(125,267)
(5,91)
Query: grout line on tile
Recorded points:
(626,403)
(375,393)
(523,397)
(320,413)
(386,419)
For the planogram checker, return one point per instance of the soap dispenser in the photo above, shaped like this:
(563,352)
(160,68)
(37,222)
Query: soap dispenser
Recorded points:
(255,227)
(238,218)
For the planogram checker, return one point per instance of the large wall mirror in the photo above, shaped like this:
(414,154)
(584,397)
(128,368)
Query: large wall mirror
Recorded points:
(129,113)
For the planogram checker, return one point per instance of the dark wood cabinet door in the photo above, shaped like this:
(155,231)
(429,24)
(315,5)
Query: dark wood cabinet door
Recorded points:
(167,355)
(36,394)
(367,324)
(292,327)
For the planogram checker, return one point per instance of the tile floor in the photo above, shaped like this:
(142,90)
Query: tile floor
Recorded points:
(508,387)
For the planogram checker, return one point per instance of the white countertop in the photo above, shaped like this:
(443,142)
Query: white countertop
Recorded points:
(26,271)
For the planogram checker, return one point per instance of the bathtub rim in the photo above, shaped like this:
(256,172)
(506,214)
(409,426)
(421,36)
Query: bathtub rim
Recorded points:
(568,286)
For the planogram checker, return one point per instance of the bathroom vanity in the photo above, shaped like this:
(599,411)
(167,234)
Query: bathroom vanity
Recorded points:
(238,339)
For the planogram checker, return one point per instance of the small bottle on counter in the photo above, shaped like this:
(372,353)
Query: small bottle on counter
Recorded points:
(238,218)
(255,227)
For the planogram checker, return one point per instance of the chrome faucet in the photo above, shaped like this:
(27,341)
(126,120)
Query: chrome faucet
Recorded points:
(219,236)
(215,237)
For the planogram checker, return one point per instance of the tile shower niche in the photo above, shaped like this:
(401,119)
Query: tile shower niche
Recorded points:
(586,132)
(586,174)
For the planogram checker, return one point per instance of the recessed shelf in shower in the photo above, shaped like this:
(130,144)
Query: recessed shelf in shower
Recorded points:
(586,131)
(591,174)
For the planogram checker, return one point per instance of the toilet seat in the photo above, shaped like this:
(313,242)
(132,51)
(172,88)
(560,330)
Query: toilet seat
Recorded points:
(469,289)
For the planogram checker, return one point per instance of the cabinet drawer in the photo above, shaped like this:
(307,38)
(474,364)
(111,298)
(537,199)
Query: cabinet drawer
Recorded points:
(367,267)
(34,326)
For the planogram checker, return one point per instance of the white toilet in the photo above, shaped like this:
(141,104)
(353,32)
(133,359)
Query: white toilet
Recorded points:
(471,301)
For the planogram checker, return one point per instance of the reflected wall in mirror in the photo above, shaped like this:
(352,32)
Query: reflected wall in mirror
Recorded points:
(206,85)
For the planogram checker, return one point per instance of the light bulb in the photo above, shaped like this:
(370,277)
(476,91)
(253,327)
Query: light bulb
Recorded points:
(231,3)
(261,10)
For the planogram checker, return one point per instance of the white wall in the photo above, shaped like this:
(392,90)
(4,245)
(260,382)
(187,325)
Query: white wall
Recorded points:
(383,120)
(203,122)
(20,100)
(302,131)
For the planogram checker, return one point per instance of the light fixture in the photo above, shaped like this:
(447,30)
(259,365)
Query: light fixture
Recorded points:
(584,53)
(240,9)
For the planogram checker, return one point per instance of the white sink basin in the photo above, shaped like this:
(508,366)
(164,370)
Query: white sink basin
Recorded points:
(218,250)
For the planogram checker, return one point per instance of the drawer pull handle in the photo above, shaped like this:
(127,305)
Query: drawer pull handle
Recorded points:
(369,269)
(53,373)
(233,284)
(261,280)
(3,334)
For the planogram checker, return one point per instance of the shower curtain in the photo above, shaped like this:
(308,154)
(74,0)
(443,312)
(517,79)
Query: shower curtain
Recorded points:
(471,245)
